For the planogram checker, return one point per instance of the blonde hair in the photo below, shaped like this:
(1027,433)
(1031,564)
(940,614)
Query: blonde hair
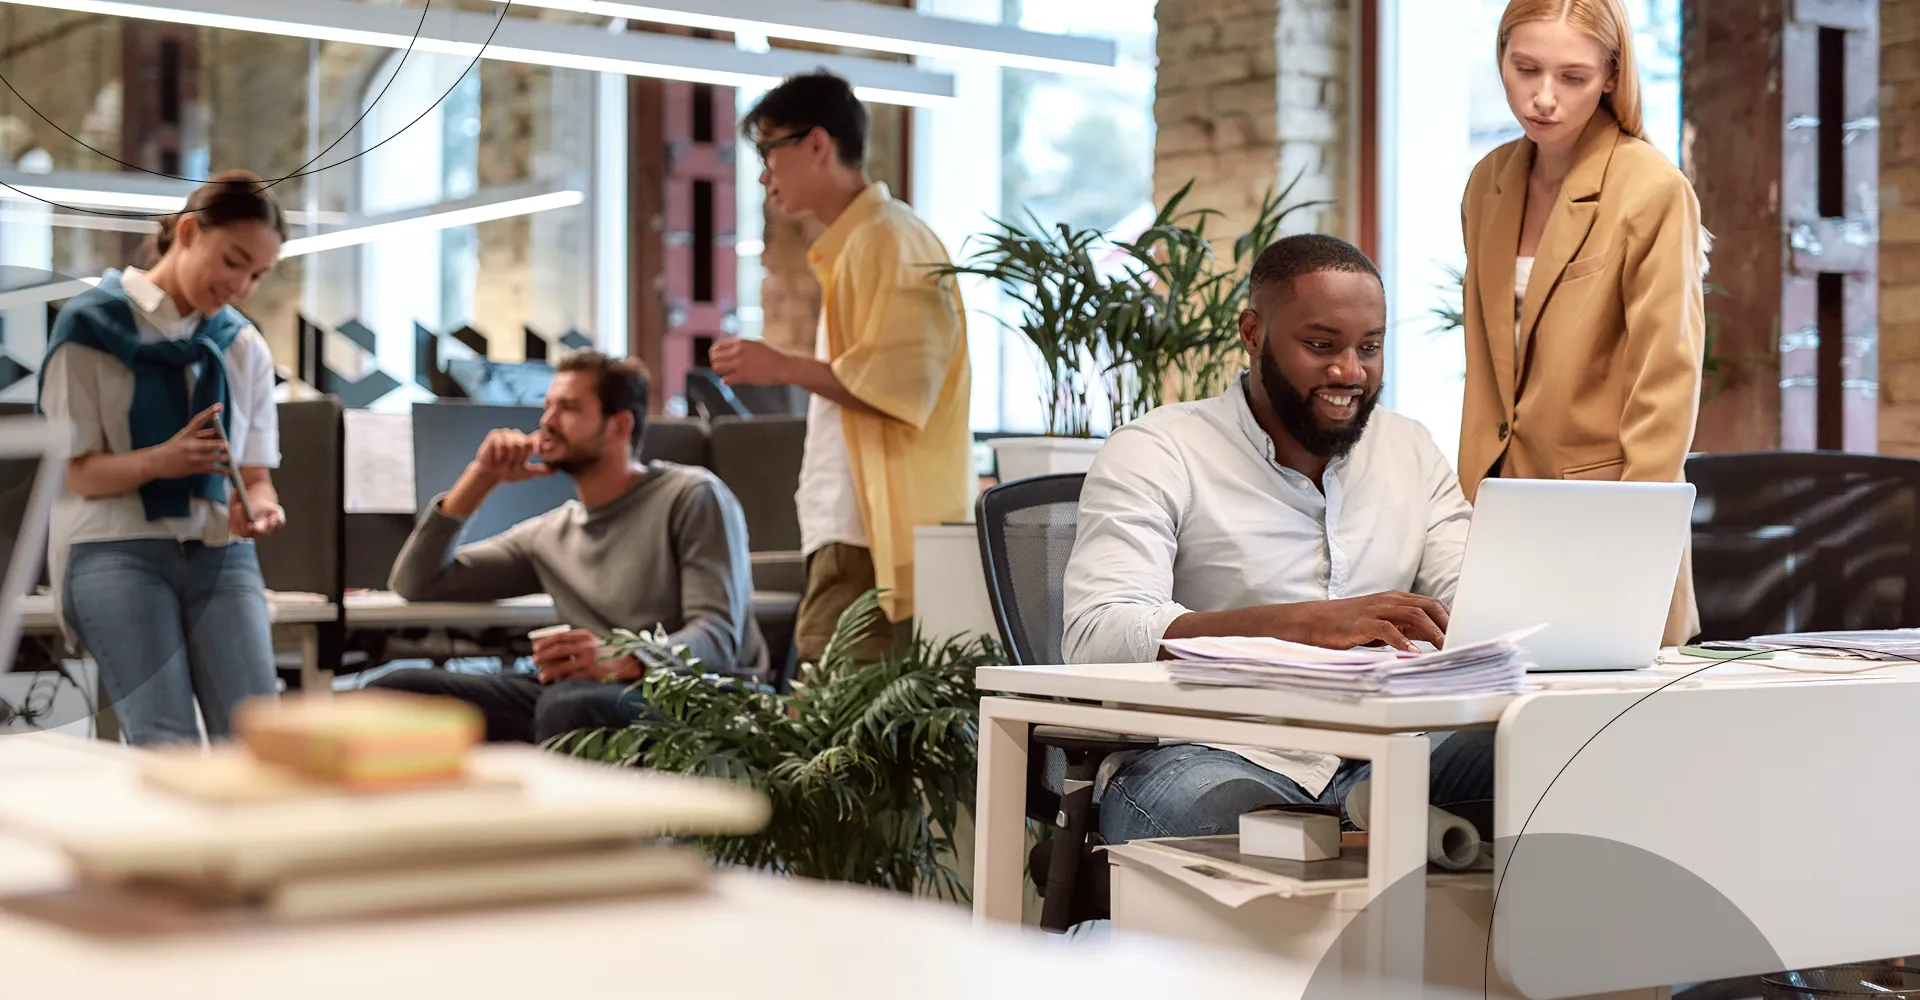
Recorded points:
(1604,21)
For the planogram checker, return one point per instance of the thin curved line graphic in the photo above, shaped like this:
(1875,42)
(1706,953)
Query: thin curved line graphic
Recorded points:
(1486,962)
(303,170)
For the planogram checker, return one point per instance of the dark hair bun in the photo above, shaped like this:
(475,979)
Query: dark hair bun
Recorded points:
(227,198)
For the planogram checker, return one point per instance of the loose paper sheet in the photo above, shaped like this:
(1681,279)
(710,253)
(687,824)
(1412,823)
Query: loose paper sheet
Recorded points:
(379,463)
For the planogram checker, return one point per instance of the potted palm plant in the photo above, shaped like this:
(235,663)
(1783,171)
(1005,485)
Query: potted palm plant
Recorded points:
(1163,322)
(1065,302)
(1181,338)
(870,767)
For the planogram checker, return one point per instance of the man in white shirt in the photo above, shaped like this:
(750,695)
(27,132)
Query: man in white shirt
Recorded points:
(1286,507)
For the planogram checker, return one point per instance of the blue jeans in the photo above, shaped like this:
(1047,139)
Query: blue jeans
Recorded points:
(1189,790)
(168,623)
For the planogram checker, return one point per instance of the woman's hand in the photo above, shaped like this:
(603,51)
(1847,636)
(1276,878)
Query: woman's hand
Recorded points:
(194,451)
(268,517)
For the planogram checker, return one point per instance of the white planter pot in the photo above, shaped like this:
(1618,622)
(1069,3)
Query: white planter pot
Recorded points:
(1022,458)
(949,583)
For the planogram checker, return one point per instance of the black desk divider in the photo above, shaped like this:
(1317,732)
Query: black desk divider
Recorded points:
(308,556)
(373,542)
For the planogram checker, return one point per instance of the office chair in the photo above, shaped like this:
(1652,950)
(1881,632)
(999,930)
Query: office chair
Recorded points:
(680,440)
(759,460)
(1805,542)
(709,397)
(1027,530)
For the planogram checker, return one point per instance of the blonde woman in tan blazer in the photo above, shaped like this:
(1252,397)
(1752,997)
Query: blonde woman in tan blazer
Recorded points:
(1585,263)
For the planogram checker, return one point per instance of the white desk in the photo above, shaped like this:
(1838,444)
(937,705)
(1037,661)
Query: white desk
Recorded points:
(750,935)
(1788,794)
(387,610)
(295,615)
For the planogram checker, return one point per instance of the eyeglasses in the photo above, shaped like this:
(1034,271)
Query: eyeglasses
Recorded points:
(766,147)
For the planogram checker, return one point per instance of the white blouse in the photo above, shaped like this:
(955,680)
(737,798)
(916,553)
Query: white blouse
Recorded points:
(1522,273)
(93,391)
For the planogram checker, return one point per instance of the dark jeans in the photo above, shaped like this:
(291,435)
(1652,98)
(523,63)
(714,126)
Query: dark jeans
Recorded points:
(1189,790)
(520,709)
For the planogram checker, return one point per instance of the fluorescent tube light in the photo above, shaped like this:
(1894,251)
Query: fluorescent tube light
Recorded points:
(139,194)
(864,26)
(65,288)
(465,212)
(526,40)
(486,206)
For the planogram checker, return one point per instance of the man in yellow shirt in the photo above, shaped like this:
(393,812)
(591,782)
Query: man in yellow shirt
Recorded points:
(889,445)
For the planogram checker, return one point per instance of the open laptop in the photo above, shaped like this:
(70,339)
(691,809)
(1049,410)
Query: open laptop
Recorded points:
(1594,562)
(33,454)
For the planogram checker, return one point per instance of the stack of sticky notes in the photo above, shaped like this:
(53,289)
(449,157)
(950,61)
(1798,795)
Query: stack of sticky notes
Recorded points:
(367,741)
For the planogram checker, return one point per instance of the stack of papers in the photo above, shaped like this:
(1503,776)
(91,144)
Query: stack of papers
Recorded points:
(1486,667)
(1872,644)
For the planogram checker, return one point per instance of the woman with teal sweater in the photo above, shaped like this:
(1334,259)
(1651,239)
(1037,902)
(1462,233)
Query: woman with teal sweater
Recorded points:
(167,387)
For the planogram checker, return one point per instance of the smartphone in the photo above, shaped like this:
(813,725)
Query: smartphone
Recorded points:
(233,471)
(1721,653)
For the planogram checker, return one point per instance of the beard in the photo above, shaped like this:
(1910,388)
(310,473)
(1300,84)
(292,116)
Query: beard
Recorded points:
(572,461)
(1295,410)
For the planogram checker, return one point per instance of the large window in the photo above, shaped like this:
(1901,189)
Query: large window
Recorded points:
(1074,149)
(413,160)
(351,132)
(1444,109)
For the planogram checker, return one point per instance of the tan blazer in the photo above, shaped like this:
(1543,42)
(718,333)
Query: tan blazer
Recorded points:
(1604,382)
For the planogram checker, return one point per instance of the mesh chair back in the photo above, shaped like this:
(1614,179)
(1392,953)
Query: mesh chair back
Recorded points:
(1805,542)
(1027,528)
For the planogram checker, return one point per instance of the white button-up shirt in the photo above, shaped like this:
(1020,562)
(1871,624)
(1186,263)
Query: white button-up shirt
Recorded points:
(1186,510)
(93,392)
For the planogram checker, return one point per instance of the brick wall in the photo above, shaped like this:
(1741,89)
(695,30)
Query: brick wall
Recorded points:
(1900,227)
(509,94)
(65,66)
(257,113)
(1249,93)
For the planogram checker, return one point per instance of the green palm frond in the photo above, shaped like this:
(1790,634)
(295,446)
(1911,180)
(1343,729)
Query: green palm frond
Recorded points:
(868,765)
(1172,307)
(1451,315)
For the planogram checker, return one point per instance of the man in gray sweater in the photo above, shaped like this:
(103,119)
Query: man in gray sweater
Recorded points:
(645,545)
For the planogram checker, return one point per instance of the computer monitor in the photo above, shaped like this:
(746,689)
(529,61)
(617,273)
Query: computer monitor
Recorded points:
(33,453)
(502,383)
(445,438)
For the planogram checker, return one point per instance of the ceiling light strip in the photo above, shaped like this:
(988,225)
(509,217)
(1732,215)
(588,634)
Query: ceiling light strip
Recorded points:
(526,40)
(865,26)
(52,291)
(431,220)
